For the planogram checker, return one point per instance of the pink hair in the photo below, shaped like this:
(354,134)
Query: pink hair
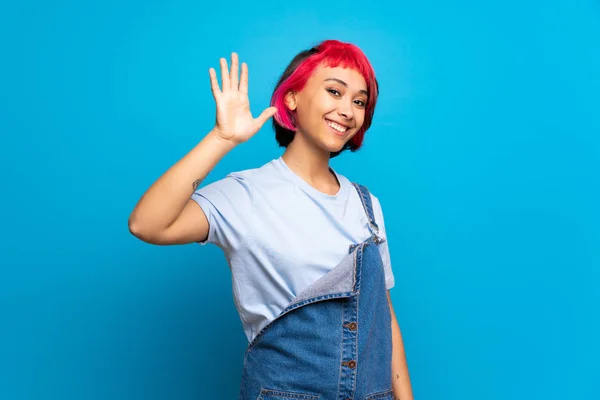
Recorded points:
(331,53)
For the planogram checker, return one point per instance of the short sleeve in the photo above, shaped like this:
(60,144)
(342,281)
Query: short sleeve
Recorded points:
(227,204)
(383,246)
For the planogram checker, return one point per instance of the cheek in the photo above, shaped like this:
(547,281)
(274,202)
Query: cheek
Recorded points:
(309,119)
(315,107)
(360,117)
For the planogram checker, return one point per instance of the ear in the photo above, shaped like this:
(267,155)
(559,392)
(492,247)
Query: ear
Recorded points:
(290,100)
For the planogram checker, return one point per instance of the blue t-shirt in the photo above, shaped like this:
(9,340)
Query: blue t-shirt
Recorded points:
(280,234)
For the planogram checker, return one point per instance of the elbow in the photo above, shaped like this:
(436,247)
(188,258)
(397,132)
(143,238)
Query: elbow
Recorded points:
(137,230)
(145,233)
(134,228)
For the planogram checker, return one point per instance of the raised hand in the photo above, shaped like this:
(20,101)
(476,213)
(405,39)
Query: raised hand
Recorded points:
(234,119)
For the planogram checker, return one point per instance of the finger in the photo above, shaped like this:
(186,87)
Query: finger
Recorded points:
(244,79)
(214,84)
(234,71)
(225,75)
(265,115)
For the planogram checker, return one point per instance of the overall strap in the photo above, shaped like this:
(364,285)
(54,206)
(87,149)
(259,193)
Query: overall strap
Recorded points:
(365,198)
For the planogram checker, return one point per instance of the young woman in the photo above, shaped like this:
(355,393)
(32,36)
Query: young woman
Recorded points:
(307,248)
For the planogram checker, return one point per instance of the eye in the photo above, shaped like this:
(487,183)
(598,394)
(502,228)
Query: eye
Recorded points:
(360,103)
(334,92)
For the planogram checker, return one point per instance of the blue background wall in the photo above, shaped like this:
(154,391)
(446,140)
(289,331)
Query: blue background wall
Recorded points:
(484,153)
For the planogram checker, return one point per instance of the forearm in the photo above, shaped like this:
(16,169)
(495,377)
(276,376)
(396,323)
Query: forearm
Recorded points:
(400,377)
(162,203)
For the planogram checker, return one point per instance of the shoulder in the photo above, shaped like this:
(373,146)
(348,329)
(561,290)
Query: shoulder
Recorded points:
(375,202)
(254,174)
(243,179)
(268,180)
(374,199)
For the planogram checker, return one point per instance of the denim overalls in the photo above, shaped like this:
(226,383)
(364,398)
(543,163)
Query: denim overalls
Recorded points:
(334,340)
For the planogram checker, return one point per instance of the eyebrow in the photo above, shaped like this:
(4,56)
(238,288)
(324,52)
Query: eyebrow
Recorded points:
(341,82)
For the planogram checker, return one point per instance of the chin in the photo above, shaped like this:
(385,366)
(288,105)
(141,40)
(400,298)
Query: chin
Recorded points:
(333,147)
(331,143)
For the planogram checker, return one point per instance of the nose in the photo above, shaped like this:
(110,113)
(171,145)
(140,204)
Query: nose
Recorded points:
(345,109)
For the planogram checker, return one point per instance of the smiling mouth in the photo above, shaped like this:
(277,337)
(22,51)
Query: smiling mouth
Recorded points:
(336,127)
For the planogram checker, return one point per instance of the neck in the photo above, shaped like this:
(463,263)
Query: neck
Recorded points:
(311,163)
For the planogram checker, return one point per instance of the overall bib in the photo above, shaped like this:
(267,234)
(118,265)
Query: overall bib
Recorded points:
(334,340)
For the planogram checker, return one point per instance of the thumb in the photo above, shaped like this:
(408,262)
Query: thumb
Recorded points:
(265,115)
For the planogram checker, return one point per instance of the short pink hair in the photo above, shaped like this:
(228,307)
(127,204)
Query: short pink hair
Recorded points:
(331,53)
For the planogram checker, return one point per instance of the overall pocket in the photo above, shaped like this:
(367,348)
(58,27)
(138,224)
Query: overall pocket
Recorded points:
(271,394)
(385,395)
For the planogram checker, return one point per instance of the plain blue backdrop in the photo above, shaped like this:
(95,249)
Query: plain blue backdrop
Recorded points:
(484,152)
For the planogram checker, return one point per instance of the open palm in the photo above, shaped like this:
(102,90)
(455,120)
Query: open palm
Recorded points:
(234,119)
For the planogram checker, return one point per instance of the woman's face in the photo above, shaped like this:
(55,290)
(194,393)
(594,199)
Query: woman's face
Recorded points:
(330,109)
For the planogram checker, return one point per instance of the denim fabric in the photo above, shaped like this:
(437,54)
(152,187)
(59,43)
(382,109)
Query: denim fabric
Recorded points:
(334,340)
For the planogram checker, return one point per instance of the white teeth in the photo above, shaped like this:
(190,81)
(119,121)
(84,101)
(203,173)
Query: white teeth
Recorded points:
(337,127)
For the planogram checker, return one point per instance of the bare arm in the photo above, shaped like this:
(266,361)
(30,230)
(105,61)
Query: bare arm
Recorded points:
(165,214)
(400,377)
(159,208)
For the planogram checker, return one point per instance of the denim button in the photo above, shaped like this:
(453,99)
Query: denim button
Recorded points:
(352,364)
(351,326)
